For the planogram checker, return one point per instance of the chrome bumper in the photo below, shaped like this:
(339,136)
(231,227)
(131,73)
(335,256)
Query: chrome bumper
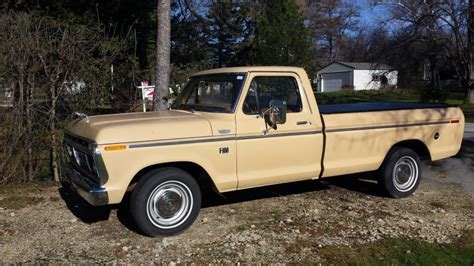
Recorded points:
(84,186)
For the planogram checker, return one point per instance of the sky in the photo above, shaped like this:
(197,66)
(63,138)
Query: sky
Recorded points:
(370,15)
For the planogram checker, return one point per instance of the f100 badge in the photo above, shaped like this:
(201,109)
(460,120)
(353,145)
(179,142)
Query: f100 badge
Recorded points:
(224,150)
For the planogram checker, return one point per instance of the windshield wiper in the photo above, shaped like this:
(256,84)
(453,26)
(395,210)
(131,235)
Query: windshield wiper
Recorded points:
(214,109)
(186,107)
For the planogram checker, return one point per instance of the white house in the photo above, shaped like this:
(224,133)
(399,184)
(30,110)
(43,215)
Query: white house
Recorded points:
(6,93)
(355,76)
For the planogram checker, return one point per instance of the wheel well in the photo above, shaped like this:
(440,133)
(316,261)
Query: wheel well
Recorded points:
(200,174)
(417,146)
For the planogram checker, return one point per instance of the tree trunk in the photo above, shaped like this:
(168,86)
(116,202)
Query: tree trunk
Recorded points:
(434,73)
(162,53)
(54,154)
(52,132)
(331,47)
(29,132)
(25,112)
(470,89)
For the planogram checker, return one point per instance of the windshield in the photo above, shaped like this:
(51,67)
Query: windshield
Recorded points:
(211,93)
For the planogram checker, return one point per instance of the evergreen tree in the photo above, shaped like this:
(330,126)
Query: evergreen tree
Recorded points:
(189,48)
(188,41)
(226,28)
(280,36)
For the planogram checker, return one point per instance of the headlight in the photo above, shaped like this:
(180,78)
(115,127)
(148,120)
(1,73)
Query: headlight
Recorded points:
(95,150)
(77,156)
(69,151)
(91,164)
(84,160)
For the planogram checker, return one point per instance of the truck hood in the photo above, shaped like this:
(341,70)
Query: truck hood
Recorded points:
(138,127)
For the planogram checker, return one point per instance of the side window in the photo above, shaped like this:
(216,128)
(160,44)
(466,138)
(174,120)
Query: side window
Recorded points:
(264,89)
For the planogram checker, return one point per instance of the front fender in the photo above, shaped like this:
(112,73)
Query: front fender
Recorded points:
(124,165)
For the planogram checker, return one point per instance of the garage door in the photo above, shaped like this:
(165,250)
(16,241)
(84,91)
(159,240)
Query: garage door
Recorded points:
(334,81)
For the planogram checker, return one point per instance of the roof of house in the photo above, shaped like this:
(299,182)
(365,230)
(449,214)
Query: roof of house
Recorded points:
(360,66)
(365,66)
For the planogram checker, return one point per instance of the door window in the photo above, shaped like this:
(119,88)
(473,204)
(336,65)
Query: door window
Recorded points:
(264,89)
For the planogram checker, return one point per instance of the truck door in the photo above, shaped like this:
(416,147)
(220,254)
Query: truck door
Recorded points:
(292,151)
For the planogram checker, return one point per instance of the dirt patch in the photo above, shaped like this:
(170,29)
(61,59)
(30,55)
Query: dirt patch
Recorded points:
(299,222)
(15,202)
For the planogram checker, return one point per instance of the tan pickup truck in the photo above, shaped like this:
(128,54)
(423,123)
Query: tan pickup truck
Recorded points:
(245,127)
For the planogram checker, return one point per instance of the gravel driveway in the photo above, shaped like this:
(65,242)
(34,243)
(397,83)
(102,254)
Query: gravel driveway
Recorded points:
(284,223)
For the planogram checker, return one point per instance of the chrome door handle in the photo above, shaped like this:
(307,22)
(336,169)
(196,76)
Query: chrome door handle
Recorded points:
(300,123)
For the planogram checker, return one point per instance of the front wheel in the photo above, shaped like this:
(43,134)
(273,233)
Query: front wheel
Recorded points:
(400,173)
(165,202)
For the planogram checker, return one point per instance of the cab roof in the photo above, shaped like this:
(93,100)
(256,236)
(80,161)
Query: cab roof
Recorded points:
(250,69)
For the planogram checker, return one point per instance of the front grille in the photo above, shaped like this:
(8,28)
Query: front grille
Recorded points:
(79,156)
(84,160)
(76,140)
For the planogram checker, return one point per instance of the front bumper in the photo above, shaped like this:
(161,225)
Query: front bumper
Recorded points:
(84,186)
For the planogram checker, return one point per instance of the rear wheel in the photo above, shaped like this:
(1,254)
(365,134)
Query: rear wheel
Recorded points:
(165,202)
(400,173)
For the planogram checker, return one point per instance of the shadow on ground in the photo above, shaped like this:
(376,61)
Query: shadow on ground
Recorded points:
(82,209)
(350,182)
(213,199)
(93,214)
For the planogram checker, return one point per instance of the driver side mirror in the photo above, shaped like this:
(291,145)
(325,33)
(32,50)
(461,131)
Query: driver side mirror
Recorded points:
(276,113)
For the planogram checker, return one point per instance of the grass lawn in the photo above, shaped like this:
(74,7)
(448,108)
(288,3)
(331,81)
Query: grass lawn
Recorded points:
(399,251)
(390,96)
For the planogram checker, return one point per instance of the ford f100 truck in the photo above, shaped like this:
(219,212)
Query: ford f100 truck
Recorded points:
(244,127)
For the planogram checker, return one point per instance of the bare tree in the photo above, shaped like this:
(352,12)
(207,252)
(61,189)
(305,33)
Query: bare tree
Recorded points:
(21,72)
(163,49)
(57,53)
(55,69)
(441,26)
(330,21)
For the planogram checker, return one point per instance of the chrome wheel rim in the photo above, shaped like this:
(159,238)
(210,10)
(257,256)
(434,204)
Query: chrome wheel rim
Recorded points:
(169,204)
(405,173)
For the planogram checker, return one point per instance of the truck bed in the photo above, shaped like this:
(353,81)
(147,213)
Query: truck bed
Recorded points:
(327,109)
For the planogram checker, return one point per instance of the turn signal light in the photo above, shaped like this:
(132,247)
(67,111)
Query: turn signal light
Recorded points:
(115,147)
